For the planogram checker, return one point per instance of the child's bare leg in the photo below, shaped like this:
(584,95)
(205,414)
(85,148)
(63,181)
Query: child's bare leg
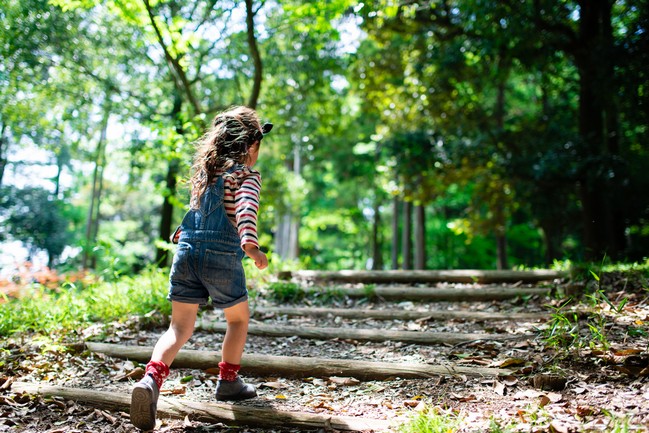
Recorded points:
(230,386)
(238,317)
(144,398)
(183,318)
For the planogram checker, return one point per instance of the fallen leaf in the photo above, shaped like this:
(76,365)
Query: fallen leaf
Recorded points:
(499,388)
(558,427)
(273,385)
(344,380)
(508,362)
(544,401)
(509,380)
(280,397)
(583,411)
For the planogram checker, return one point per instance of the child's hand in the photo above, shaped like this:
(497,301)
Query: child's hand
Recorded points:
(260,259)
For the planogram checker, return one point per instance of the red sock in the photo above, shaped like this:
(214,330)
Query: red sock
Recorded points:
(228,371)
(158,370)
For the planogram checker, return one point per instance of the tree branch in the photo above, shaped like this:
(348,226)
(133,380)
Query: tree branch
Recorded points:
(177,70)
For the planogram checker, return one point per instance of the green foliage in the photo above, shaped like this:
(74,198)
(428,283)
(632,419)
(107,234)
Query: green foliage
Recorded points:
(37,218)
(65,311)
(285,292)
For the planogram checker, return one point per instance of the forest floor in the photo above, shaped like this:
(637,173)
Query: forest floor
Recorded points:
(599,349)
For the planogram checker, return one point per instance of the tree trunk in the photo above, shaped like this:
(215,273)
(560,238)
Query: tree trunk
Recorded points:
(167,209)
(377,257)
(501,247)
(166,212)
(207,412)
(393,314)
(287,238)
(396,206)
(4,145)
(406,240)
(420,236)
(293,366)
(598,128)
(254,53)
(92,220)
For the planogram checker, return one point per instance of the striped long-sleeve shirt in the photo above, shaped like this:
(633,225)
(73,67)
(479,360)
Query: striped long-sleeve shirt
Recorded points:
(242,187)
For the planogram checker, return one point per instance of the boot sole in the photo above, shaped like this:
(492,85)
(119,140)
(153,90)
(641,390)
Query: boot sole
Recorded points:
(143,408)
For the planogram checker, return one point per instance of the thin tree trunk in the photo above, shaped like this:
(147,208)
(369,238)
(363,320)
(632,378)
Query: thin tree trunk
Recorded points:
(92,223)
(406,240)
(396,212)
(4,145)
(501,247)
(166,213)
(377,257)
(254,52)
(420,236)
(286,241)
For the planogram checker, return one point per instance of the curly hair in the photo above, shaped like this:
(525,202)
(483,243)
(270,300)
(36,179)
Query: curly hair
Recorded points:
(224,145)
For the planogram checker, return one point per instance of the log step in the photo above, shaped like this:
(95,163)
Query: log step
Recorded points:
(293,366)
(207,412)
(411,337)
(428,276)
(439,294)
(393,314)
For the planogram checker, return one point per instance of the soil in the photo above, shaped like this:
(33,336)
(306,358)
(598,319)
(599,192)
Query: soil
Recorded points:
(600,382)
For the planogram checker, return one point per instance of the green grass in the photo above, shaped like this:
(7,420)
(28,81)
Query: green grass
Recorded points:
(71,307)
(432,420)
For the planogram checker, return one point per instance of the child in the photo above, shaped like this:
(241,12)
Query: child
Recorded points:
(219,228)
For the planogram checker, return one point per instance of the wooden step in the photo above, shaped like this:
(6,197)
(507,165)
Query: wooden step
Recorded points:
(379,335)
(294,366)
(427,276)
(207,412)
(394,314)
(438,294)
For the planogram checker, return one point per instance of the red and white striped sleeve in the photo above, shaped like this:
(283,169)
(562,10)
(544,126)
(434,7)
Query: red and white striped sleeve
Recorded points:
(246,202)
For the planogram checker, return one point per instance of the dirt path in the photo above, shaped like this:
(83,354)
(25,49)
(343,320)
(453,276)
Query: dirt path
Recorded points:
(598,391)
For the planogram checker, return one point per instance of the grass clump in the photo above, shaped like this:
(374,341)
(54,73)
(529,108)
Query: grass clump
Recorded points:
(432,420)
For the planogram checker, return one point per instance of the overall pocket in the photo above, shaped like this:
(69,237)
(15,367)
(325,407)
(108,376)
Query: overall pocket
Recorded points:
(218,267)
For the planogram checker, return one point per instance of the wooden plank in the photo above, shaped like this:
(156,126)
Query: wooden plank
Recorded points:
(207,412)
(427,276)
(393,314)
(293,366)
(323,333)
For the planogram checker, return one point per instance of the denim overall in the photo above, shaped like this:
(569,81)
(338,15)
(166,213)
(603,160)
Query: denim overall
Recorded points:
(207,263)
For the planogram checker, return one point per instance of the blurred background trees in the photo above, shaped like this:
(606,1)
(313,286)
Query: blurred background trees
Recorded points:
(408,134)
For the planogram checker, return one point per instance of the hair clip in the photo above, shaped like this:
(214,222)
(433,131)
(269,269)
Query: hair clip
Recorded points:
(265,129)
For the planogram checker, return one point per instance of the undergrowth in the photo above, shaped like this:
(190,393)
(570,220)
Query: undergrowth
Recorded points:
(74,305)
